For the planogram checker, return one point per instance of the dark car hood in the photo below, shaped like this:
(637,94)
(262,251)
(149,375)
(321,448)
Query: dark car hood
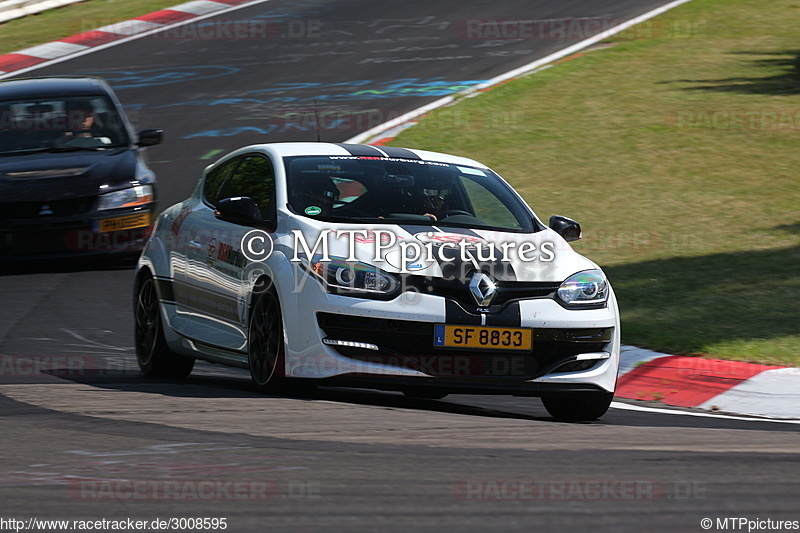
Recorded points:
(61,176)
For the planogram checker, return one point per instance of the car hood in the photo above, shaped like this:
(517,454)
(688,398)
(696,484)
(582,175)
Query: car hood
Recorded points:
(543,256)
(49,177)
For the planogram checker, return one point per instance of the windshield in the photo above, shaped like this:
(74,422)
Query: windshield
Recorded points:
(368,190)
(60,124)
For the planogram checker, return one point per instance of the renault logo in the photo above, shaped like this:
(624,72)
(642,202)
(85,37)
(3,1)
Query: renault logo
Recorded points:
(482,288)
(45,210)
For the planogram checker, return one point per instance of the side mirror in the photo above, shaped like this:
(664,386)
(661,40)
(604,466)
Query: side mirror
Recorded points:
(151,137)
(566,227)
(239,210)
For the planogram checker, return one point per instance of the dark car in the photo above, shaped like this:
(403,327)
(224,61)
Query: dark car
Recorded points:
(72,177)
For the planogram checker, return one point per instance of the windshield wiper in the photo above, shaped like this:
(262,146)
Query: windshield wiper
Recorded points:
(483,226)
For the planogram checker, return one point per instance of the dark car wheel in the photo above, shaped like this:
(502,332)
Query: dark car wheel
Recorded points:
(580,407)
(265,342)
(154,357)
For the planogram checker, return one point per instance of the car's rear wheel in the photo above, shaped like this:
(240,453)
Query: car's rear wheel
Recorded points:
(579,407)
(265,342)
(154,357)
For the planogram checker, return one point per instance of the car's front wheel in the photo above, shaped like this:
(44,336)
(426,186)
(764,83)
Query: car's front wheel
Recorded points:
(154,357)
(265,341)
(578,407)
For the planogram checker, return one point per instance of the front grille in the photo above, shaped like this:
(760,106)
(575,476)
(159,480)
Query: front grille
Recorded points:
(458,290)
(409,344)
(59,208)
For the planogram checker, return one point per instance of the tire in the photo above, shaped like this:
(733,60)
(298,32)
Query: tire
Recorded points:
(265,344)
(154,357)
(424,394)
(580,407)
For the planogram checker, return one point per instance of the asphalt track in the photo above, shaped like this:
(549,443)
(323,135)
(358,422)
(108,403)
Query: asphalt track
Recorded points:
(345,460)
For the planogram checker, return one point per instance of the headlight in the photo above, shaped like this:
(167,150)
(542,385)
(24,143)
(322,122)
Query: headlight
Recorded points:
(139,195)
(355,279)
(584,289)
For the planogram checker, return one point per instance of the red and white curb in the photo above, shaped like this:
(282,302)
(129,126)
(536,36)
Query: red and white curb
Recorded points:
(709,384)
(89,41)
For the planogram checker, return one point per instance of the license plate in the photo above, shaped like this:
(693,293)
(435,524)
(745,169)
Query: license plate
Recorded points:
(127,222)
(482,337)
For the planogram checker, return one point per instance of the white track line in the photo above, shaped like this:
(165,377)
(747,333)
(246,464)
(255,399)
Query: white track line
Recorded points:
(525,69)
(629,407)
(160,28)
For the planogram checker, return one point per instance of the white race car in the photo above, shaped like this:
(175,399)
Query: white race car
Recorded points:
(387,268)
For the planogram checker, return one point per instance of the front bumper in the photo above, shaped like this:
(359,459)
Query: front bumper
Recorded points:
(561,360)
(44,237)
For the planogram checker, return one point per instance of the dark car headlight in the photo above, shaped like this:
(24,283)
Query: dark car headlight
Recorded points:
(584,289)
(130,197)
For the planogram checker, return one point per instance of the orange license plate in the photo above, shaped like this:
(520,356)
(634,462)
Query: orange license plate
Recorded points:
(127,222)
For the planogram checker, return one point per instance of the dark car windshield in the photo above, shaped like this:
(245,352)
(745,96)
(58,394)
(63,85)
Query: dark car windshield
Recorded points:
(60,124)
(363,190)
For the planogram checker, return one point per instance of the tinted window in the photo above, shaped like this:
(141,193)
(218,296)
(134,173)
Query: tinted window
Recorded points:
(60,124)
(254,178)
(212,188)
(370,190)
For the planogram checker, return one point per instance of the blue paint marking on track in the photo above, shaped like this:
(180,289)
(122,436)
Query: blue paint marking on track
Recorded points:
(368,90)
(230,132)
(124,79)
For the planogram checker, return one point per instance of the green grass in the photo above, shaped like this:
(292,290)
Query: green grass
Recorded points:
(76,18)
(694,217)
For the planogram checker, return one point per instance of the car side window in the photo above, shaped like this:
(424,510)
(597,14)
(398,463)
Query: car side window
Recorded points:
(254,178)
(212,188)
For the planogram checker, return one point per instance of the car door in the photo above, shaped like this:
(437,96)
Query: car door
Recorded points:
(214,277)
(195,295)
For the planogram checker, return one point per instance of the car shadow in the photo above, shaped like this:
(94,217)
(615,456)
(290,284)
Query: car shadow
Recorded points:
(209,386)
(707,300)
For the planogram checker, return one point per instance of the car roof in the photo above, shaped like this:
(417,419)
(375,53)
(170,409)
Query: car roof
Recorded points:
(51,87)
(291,149)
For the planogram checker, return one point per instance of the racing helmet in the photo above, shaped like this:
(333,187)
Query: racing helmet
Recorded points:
(307,191)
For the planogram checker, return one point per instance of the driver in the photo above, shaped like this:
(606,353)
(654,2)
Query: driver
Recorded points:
(80,118)
(431,205)
(81,125)
(313,195)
